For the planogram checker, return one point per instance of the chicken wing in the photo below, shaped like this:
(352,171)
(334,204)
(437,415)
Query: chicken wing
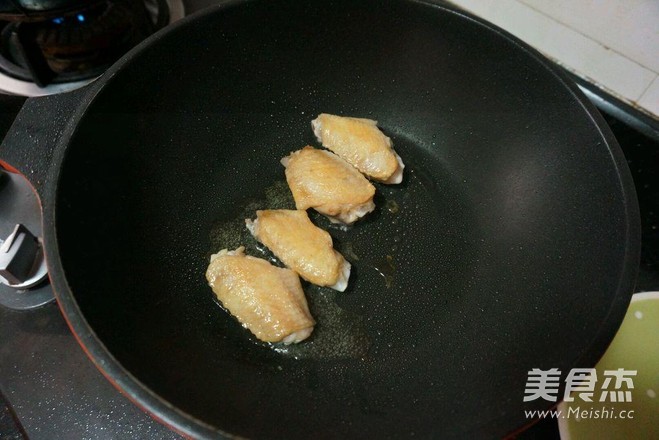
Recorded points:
(323,181)
(267,300)
(362,144)
(302,246)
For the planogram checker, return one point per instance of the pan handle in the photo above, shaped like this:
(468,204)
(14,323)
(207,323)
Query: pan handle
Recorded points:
(28,147)
(27,153)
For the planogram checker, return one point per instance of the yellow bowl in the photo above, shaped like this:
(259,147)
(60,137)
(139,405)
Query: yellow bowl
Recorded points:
(634,348)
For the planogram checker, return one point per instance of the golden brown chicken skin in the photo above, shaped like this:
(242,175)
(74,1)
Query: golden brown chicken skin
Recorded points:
(301,245)
(267,300)
(361,143)
(323,181)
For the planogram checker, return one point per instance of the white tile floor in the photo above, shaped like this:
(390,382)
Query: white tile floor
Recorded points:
(613,43)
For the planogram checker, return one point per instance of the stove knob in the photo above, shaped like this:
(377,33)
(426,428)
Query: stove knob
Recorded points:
(21,259)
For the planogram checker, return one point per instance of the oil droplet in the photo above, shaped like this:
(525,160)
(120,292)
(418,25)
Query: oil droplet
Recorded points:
(387,270)
(348,251)
(392,206)
(390,261)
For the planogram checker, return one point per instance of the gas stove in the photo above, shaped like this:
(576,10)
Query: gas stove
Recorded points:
(55,46)
(52,390)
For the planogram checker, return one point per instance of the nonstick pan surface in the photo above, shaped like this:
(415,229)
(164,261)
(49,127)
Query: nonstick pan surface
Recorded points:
(512,243)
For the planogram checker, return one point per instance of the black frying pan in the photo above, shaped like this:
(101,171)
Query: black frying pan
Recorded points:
(514,244)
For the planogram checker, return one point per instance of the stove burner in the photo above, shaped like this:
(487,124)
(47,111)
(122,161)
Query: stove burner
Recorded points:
(79,45)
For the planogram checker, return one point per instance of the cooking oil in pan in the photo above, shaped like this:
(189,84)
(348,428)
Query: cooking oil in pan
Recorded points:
(389,250)
(338,332)
(230,233)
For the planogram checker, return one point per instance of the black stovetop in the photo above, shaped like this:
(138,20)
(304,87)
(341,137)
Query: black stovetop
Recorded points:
(642,155)
(54,391)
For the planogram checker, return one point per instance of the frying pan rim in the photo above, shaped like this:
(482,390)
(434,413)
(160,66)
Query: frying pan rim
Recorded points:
(189,425)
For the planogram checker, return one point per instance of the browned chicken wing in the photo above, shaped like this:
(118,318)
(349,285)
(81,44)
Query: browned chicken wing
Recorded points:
(302,246)
(362,144)
(267,300)
(323,181)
